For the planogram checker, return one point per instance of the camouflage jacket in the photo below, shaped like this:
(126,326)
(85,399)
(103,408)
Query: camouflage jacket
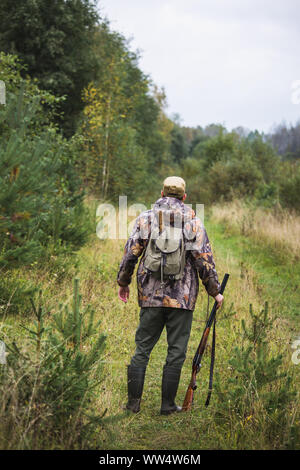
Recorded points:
(199,261)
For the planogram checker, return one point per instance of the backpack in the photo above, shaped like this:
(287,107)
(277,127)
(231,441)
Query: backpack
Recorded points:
(165,252)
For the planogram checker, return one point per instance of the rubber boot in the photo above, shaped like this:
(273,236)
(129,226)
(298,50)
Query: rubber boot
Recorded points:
(135,381)
(170,382)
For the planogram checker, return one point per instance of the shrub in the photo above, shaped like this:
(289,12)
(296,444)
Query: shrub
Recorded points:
(259,389)
(48,383)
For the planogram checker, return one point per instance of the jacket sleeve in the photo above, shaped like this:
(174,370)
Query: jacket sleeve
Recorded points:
(203,259)
(133,249)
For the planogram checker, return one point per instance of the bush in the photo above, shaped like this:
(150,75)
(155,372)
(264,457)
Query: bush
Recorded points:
(48,383)
(259,390)
(234,178)
(290,188)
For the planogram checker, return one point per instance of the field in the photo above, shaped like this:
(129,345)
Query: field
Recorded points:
(255,402)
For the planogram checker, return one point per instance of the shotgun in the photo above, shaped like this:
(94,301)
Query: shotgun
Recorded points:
(189,396)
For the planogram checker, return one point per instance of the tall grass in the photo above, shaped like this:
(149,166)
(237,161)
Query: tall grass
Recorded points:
(278,229)
(248,424)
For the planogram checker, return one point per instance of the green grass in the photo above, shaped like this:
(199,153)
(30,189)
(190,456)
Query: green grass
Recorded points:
(275,274)
(256,275)
(198,429)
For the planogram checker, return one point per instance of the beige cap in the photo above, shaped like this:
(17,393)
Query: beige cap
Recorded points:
(174,186)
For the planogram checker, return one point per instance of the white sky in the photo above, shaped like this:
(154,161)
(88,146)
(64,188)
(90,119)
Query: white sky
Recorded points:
(223,61)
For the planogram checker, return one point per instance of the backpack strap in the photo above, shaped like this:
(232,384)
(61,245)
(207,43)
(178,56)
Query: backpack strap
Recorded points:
(160,221)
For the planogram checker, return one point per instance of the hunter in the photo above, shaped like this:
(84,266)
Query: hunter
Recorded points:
(175,250)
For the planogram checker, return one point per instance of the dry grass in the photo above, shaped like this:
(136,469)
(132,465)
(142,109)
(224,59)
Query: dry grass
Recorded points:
(279,229)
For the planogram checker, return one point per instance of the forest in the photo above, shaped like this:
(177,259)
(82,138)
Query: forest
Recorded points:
(83,124)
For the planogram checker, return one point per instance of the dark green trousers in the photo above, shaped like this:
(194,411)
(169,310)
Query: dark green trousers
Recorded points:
(178,324)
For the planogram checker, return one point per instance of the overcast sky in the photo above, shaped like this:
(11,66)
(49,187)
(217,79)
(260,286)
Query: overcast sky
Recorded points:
(226,61)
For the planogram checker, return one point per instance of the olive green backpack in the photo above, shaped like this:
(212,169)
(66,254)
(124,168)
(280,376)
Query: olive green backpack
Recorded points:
(165,252)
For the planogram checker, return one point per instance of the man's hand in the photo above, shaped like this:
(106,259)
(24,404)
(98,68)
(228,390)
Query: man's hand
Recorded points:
(124,293)
(219,298)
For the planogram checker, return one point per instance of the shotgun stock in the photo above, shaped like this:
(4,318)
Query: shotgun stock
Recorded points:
(189,396)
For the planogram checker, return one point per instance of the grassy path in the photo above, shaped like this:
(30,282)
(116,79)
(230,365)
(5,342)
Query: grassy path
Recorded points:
(255,276)
(275,276)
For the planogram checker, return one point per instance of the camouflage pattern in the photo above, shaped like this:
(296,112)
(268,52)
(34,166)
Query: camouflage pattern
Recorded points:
(199,261)
(174,186)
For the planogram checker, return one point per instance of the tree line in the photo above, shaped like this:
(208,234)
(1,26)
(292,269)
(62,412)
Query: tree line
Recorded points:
(82,117)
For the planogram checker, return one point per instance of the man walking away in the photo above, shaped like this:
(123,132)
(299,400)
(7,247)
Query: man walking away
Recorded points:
(175,252)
